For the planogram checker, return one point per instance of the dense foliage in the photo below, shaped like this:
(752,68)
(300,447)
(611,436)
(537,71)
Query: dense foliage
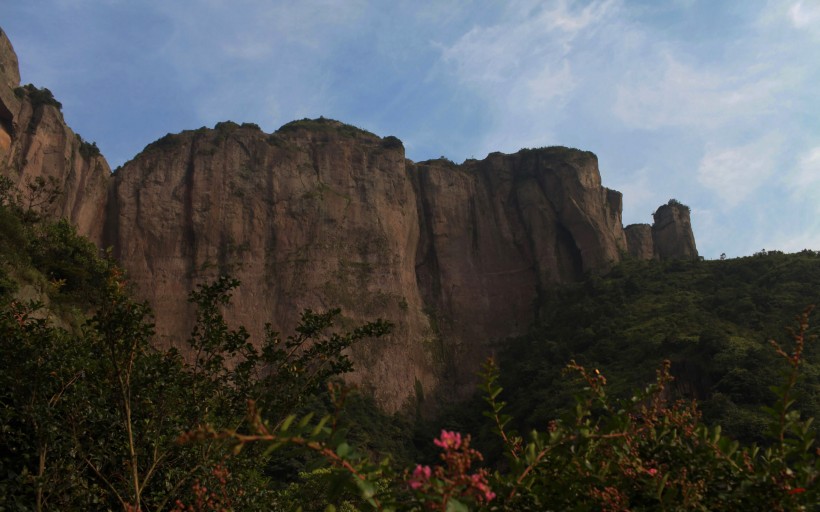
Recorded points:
(94,417)
(711,319)
(91,412)
(645,452)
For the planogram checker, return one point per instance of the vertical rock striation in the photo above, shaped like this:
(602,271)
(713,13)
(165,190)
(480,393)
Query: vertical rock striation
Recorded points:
(672,232)
(36,142)
(322,214)
(669,237)
(316,216)
(498,232)
(639,241)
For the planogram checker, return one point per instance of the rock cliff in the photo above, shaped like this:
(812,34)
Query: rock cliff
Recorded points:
(669,237)
(639,241)
(35,142)
(322,214)
(672,232)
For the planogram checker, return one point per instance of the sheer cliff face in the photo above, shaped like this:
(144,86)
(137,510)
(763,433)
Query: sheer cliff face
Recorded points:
(305,219)
(672,232)
(497,232)
(669,237)
(321,214)
(36,142)
(639,241)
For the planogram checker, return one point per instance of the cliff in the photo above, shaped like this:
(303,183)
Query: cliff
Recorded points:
(322,214)
(35,142)
(672,232)
(639,241)
(669,237)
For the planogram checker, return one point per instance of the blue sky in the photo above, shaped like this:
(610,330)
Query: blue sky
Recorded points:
(714,103)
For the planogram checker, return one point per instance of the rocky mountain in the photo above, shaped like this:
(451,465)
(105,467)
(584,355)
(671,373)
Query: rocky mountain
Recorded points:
(320,214)
(669,237)
(36,142)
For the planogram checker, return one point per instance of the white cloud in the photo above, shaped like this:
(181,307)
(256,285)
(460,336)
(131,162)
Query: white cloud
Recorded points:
(795,242)
(803,15)
(735,173)
(530,38)
(570,21)
(522,67)
(546,85)
(670,92)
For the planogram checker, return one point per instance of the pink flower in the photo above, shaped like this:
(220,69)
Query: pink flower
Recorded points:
(480,484)
(448,440)
(420,476)
(652,472)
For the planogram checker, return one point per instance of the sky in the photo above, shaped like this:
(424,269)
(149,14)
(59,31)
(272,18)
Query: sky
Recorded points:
(713,103)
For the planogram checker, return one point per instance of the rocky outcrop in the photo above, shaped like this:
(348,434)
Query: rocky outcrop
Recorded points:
(639,241)
(669,237)
(35,142)
(672,232)
(496,233)
(322,214)
(9,103)
(315,216)
(9,67)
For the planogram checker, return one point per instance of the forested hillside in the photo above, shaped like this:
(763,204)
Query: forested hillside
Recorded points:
(712,319)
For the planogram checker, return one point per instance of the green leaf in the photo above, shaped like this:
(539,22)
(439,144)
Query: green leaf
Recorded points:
(456,506)
(286,424)
(303,423)
(366,487)
(343,450)
(662,486)
(321,425)
(270,449)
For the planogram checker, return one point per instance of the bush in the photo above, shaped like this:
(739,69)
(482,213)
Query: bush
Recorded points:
(87,149)
(37,96)
(391,142)
(674,203)
(643,453)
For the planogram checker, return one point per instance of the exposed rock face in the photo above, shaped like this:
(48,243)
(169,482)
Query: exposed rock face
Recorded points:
(9,103)
(496,233)
(669,237)
(36,142)
(672,232)
(639,241)
(9,67)
(309,218)
(321,214)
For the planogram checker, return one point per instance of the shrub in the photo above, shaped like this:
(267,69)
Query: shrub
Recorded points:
(87,149)
(391,142)
(643,453)
(677,204)
(37,96)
